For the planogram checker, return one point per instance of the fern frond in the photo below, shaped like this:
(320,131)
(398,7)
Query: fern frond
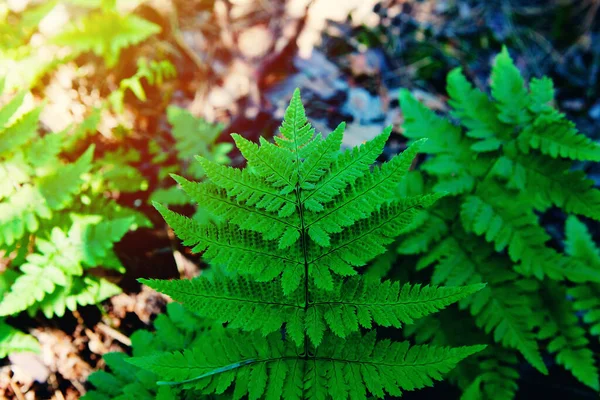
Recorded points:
(194,136)
(580,245)
(567,338)
(59,187)
(502,307)
(550,182)
(345,170)
(421,122)
(474,109)
(252,306)
(355,247)
(31,287)
(512,227)
(554,135)
(366,195)
(80,291)
(235,249)
(264,367)
(19,132)
(14,341)
(106,34)
(497,379)
(508,89)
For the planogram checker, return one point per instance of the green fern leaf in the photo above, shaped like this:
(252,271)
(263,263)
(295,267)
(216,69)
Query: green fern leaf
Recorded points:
(508,88)
(567,338)
(554,135)
(345,170)
(252,306)
(59,187)
(497,308)
(379,367)
(475,111)
(580,245)
(15,341)
(106,34)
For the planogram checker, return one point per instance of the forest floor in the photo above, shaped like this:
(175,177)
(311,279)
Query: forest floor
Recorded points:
(238,62)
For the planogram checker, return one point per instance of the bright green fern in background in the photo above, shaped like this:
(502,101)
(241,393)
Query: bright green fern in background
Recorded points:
(152,72)
(192,137)
(291,232)
(55,221)
(508,158)
(106,32)
(177,329)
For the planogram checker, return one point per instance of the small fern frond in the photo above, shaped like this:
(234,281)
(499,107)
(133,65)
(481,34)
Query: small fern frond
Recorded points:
(80,291)
(580,245)
(59,187)
(502,307)
(14,341)
(474,109)
(106,34)
(19,132)
(555,136)
(497,378)
(566,338)
(508,89)
(31,287)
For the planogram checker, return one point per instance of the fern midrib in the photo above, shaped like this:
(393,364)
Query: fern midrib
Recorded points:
(247,361)
(242,300)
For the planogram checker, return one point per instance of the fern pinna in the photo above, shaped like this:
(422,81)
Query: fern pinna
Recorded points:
(192,136)
(55,223)
(292,228)
(508,159)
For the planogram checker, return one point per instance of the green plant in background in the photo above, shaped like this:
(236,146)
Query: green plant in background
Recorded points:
(55,221)
(154,72)
(106,32)
(102,30)
(193,137)
(586,297)
(510,158)
(177,329)
(21,62)
(292,228)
